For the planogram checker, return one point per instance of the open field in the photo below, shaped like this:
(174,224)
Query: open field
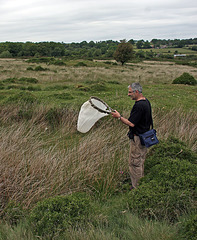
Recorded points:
(70,85)
(42,155)
(172,51)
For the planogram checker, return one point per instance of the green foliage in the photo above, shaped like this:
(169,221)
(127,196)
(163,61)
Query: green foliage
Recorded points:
(188,227)
(168,189)
(124,52)
(56,214)
(6,54)
(39,68)
(185,78)
(170,148)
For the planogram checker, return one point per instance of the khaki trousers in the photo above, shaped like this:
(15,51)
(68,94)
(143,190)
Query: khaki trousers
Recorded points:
(137,156)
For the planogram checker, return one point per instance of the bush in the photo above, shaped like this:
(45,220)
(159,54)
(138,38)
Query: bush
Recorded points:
(6,54)
(153,201)
(168,189)
(174,174)
(188,227)
(54,215)
(39,68)
(172,148)
(185,78)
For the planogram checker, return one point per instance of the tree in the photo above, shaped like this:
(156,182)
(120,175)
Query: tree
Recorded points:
(140,44)
(124,52)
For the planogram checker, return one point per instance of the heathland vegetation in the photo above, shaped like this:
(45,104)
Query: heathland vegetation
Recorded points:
(56,183)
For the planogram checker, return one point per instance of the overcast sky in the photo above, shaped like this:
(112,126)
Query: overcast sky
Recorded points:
(97,20)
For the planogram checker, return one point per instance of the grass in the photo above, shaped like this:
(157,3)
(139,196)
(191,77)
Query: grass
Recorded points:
(43,155)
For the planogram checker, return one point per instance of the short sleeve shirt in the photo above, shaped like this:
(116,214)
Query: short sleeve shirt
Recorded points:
(141,117)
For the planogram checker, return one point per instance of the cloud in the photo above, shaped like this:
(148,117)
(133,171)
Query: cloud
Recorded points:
(79,20)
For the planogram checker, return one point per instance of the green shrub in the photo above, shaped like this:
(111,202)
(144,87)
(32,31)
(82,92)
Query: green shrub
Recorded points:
(174,174)
(168,189)
(185,78)
(6,54)
(172,148)
(39,68)
(188,227)
(30,69)
(54,215)
(153,201)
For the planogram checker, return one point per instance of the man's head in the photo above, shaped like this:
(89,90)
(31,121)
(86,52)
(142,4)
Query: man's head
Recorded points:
(135,91)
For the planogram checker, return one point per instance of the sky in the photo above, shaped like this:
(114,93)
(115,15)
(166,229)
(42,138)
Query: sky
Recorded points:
(96,20)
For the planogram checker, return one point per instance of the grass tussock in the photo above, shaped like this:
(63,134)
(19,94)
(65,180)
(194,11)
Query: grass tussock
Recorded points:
(35,165)
(177,123)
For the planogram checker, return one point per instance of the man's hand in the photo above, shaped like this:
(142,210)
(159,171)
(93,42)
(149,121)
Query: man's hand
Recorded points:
(115,114)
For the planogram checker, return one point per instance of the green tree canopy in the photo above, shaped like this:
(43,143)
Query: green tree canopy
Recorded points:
(124,52)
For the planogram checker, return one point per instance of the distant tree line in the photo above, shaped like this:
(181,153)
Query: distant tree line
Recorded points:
(85,50)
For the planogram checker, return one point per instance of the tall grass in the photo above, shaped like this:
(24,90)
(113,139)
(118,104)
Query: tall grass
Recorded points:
(38,161)
(177,123)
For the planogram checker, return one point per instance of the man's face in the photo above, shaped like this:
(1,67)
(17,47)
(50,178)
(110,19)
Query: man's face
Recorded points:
(132,94)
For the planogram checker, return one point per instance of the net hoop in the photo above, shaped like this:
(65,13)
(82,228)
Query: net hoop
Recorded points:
(108,109)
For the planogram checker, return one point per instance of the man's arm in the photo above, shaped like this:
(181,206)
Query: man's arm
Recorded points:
(116,114)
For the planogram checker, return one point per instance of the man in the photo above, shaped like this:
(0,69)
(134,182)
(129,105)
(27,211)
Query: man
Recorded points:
(139,122)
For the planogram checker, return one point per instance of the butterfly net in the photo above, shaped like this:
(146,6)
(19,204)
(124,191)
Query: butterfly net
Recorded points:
(90,112)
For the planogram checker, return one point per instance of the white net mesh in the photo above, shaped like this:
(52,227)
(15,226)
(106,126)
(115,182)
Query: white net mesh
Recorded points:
(88,116)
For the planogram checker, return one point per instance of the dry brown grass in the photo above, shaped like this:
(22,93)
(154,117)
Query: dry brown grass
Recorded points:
(33,168)
(147,72)
(179,124)
(34,164)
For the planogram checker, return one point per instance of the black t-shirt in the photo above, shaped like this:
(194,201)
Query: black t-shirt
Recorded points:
(141,117)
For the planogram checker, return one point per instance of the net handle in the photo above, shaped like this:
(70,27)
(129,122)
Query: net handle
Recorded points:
(100,110)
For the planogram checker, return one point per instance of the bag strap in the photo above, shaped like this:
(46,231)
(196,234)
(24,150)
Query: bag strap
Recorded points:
(151,123)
